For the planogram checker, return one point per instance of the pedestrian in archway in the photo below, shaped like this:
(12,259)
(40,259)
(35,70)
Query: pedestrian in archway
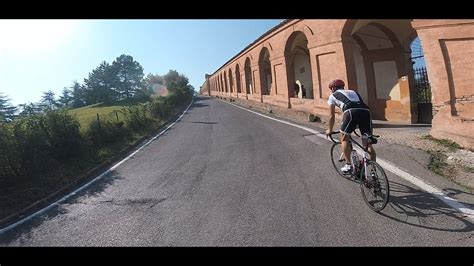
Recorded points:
(297,89)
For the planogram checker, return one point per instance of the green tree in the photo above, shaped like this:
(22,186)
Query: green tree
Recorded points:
(174,80)
(30,109)
(178,85)
(48,101)
(99,85)
(65,100)
(78,95)
(128,76)
(151,79)
(7,111)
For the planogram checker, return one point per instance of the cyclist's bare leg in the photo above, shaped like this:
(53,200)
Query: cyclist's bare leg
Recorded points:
(371,150)
(346,149)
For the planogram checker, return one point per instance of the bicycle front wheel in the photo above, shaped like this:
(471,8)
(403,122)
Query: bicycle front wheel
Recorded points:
(375,188)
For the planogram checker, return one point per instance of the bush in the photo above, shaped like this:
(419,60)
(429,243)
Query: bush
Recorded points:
(32,144)
(137,119)
(103,133)
(63,134)
(159,107)
(9,156)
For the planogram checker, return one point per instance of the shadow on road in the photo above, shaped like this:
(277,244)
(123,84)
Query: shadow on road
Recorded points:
(197,105)
(199,102)
(26,230)
(199,122)
(416,207)
(453,191)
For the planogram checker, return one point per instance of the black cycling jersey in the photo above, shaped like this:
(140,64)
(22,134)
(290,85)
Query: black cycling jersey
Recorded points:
(348,104)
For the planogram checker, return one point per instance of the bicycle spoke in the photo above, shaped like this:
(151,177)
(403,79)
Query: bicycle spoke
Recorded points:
(375,191)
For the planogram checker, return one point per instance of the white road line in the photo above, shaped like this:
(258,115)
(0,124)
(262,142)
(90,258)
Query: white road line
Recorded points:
(468,212)
(3,230)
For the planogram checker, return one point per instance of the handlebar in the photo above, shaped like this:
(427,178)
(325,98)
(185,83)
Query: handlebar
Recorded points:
(333,133)
(337,132)
(373,138)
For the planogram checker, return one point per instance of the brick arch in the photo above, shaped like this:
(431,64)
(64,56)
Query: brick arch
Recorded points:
(224,88)
(265,71)
(290,67)
(346,33)
(378,80)
(225,82)
(347,40)
(248,75)
(262,52)
(347,29)
(231,82)
(237,78)
(388,32)
(306,30)
(406,43)
(291,37)
(360,42)
(261,48)
(270,46)
(222,82)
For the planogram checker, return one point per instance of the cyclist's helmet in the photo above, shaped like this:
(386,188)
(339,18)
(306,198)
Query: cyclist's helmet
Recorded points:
(336,83)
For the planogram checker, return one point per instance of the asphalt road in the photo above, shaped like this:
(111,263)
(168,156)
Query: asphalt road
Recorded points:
(223,176)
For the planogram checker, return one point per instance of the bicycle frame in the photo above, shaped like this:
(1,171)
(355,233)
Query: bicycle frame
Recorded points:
(365,157)
(374,184)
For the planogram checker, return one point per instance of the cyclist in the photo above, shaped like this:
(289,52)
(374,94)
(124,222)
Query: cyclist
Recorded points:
(356,113)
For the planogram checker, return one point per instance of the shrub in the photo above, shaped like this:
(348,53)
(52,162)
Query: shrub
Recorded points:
(137,119)
(62,132)
(103,133)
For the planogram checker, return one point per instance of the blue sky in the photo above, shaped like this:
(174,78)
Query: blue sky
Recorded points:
(417,51)
(41,55)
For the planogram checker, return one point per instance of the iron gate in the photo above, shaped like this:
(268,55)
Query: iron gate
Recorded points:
(423,95)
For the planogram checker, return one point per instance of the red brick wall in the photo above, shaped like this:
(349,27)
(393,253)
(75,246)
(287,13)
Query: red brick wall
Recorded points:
(449,53)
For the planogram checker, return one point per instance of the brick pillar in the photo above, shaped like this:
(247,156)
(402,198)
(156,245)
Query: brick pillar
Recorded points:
(449,49)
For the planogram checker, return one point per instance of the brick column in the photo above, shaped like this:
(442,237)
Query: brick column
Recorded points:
(449,49)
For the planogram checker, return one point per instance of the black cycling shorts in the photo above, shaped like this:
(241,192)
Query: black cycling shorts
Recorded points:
(356,117)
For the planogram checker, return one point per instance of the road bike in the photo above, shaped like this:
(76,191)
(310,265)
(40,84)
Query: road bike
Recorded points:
(370,175)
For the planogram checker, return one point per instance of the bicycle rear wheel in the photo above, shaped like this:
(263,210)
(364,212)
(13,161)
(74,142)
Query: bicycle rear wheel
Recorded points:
(376,190)
(338,160)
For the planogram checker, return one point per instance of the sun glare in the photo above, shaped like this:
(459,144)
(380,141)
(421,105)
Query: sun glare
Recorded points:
(34,36)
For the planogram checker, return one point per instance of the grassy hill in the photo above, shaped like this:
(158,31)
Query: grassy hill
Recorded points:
(87,114)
